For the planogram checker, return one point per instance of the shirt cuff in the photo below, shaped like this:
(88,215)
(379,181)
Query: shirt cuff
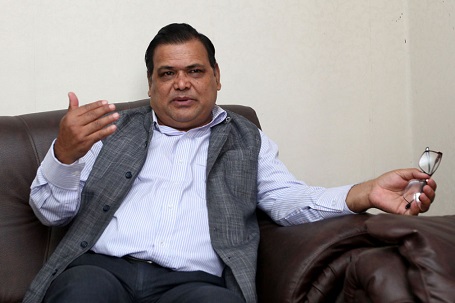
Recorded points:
(65,176)
(334,200)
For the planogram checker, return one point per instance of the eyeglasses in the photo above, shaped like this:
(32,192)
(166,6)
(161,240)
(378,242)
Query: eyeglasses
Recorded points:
(428,163)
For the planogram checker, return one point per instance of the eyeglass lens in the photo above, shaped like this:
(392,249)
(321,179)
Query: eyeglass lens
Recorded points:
(429,161)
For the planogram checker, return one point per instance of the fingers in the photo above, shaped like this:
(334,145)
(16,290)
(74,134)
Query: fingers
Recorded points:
(87,113)
(87,130)
(100,128)
(94,116)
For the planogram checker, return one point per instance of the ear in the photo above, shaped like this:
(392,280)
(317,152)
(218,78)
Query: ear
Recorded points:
(216,70)
(149,80)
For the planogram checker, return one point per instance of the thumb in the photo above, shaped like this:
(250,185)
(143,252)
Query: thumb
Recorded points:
(73,101)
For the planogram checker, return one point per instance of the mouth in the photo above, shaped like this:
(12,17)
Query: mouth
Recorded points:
(183,101)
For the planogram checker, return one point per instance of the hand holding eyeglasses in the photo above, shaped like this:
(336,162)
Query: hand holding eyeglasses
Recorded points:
(395,191)
(428,163)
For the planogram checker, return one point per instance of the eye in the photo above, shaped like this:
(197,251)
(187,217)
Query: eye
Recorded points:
(166,74)
(196,72)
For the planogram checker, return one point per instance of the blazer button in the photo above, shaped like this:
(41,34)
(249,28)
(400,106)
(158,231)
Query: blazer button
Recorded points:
(106,208)
(128,175)
(84,244)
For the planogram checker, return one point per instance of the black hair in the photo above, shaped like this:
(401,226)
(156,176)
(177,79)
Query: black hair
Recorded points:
(177,33)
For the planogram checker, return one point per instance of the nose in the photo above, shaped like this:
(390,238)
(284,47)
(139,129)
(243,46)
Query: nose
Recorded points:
(181,81)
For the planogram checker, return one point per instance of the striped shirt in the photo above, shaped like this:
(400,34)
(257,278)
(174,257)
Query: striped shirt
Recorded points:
(164,217)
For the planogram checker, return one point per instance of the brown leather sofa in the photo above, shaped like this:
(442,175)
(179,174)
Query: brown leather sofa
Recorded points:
(358,258)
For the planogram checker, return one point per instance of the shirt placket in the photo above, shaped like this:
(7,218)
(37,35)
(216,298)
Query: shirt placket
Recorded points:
(173,194)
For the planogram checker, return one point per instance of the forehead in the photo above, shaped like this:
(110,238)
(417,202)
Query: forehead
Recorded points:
(181,54)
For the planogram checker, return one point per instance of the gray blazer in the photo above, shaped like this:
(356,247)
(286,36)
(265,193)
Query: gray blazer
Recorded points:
(232,165)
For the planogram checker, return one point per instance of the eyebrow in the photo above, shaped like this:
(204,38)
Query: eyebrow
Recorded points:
(169,67)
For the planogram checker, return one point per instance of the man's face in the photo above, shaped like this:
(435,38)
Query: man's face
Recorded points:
(183,86)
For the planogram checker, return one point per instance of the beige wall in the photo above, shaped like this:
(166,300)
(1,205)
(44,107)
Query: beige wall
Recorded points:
(348,89)
(431,89)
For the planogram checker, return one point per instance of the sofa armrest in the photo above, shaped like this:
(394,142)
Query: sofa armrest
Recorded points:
(426,244)
(307,262)
(378,275)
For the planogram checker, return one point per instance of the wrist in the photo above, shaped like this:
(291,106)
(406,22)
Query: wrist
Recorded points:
(358,199)
(59,154)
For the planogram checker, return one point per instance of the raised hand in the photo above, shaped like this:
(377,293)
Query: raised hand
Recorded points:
(83,126)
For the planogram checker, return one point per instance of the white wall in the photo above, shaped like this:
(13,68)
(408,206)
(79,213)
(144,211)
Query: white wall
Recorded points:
(348,89)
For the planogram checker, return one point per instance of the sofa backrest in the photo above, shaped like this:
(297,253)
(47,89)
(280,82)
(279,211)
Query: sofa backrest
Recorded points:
(25,244)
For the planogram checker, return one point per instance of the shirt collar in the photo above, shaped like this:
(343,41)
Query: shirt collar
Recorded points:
(218,116)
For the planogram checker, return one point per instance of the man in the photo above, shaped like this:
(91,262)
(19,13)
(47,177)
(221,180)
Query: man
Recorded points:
(162,200)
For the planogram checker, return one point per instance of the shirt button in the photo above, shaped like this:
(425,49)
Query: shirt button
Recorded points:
(128,175)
